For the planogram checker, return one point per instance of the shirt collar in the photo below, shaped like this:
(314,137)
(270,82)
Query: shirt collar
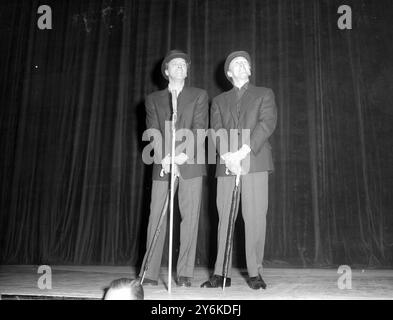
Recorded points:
(243,88)
(177,92)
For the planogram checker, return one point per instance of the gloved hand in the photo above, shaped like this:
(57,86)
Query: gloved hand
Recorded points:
(242,152)
(232,162)
(234,167)
(166,164)
(181,158)
(233,159)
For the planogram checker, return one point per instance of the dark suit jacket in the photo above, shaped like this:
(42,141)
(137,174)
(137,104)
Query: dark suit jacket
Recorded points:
(258,113)
(192,113)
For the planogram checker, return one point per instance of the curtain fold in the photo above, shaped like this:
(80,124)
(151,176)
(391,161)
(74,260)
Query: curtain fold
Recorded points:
(74,188)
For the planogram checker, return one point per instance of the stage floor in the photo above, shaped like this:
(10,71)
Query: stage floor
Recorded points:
(88,282)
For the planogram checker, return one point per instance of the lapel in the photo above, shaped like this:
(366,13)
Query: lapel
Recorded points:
(165,106)
(182,101)
(245,102)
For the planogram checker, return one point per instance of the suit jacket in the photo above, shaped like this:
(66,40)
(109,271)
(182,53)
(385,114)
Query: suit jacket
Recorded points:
(258,113)
(192,113)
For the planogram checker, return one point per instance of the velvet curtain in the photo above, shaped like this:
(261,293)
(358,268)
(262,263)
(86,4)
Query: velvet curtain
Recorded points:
(74,188)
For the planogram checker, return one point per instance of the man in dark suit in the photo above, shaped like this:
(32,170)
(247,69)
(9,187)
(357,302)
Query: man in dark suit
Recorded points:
(192,114)
(252,112)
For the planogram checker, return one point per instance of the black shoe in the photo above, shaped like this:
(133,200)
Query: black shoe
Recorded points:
(183,282)
(148,282)
(216,281)
(256,283)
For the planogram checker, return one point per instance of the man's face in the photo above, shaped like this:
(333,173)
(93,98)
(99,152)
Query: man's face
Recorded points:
(177,69)
(239,69)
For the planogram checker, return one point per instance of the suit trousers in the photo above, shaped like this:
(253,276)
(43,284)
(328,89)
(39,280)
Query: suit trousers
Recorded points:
(189,197)
(254,202)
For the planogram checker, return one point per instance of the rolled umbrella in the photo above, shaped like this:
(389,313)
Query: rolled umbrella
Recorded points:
(155,237)
(230,229)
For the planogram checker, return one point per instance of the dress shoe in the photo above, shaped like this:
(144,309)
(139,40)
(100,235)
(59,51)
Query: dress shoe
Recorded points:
(216,281)
(256,283)
(183,282)
(148,282)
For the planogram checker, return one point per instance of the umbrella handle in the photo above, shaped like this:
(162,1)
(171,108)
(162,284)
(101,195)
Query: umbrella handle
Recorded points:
(237,180)
(227,172)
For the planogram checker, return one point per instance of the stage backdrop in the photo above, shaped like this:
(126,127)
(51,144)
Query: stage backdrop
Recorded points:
(74,188)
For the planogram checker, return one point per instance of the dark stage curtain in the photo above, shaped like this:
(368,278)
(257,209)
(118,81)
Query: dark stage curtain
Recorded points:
(74,188)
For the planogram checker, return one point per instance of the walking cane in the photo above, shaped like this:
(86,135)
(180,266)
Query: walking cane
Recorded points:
(155,237)
(230,229)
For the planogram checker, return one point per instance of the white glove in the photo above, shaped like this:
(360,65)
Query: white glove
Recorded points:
(232,163)
(166,164)
(181,158)
(242,152)
(233,159)
(234,167)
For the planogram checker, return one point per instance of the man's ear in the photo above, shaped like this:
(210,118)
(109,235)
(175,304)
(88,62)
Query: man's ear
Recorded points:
(248,69)
(166,72)
(229,74)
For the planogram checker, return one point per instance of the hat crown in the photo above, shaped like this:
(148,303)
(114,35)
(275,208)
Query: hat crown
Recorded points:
(174,52)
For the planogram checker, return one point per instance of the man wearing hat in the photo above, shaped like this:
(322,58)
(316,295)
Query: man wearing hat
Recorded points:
(192,114)
(252,112)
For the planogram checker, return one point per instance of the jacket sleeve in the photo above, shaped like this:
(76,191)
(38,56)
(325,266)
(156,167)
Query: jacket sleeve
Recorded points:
(266,122)
(152,122)
(151,114)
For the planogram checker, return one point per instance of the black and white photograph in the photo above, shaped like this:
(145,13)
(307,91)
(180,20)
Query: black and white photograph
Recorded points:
(197,154)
